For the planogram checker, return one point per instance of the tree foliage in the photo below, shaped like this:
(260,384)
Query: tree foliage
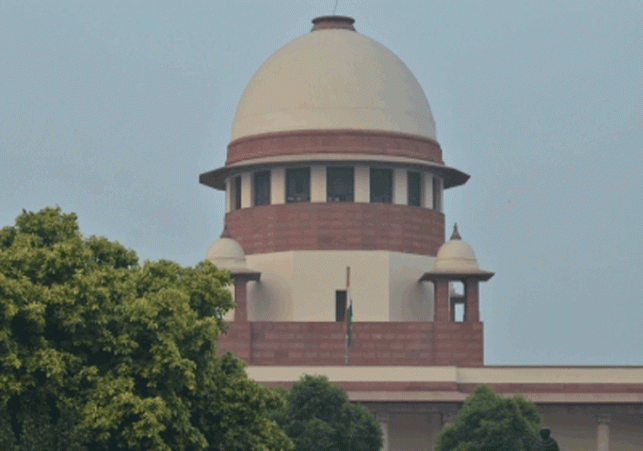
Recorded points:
(489,422)
(319,417)
(98,350)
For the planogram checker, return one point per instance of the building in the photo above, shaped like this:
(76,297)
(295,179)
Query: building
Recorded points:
(333,164)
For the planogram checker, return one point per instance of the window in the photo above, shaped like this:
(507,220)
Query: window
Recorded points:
(414,189)
(262,188)
(339,184)
(457,300)
(381,186)
(298,185)
(235,193)
(437,194)
(340,305)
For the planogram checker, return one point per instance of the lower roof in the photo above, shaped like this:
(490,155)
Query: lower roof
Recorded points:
(540,384)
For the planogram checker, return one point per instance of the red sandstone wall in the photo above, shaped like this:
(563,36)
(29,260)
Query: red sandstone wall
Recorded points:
(367,142)
(374,343)
(559,388)
(337,226)
(382,386)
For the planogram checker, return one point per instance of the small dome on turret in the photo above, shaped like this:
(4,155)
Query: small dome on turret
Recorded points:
(456,256)
(227,253)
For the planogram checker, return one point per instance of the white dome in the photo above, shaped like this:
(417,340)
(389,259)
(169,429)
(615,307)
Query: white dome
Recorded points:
(456,256)
(227,253)
(333,79)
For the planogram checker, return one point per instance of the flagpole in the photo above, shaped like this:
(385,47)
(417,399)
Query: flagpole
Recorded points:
(348,314)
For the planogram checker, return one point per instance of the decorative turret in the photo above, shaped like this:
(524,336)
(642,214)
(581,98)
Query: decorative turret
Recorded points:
(456,262)
(226,253)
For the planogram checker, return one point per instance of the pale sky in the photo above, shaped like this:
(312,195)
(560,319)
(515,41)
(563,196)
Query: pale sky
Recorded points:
(112,110)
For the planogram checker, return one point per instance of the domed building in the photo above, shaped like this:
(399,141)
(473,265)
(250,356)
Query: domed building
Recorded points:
(333,181)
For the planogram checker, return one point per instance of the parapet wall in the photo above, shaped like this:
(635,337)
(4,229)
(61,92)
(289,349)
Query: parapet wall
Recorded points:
(374,343)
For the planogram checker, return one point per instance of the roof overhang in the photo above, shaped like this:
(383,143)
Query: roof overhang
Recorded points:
(216,178)
(479,275)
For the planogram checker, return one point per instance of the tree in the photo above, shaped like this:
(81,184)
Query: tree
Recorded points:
(490,422)
(319,417)
(98,350)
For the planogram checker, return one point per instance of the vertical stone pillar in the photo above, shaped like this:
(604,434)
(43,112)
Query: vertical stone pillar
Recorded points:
(447,417)
(383,419)
(435,426)
(603,432)
(441,300)
(240,294)
(471,296)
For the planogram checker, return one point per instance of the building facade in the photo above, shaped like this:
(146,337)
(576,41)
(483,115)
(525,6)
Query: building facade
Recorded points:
(334,164)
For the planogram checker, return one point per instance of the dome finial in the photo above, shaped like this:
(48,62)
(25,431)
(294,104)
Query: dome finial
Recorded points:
(455,235)
(333,22)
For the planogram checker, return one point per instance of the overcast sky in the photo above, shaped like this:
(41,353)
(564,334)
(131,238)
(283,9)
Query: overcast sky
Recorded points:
(112,109)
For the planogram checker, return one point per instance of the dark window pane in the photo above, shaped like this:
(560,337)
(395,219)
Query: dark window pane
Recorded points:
(414,189)
(340,305)
(381,186)
(339,184)
(298,185)
(236,193)
(262,188)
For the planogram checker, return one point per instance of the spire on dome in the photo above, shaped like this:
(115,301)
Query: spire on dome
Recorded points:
(225,233)
(455,235)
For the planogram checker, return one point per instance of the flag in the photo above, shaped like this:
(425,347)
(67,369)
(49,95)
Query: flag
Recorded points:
(349,310)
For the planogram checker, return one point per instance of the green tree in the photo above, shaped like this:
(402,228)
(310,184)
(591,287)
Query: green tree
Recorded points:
(489,422)
(319,417)
(98,350)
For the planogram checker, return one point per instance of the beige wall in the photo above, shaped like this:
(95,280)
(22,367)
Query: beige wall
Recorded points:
(575,428)
(560,375)
(626,432)
(427,198)
(409,299)
(400,186)
(362,184)
(278,186)
(318,183)
(573,431)
(228,194)
(246,190)
(410,431)
(270,299)
(301,285)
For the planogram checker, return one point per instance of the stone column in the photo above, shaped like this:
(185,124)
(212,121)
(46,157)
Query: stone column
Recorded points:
(447,417)
(471,295)
(603,432)
(435,426)
(382,418)
(240,293)
(441,300)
